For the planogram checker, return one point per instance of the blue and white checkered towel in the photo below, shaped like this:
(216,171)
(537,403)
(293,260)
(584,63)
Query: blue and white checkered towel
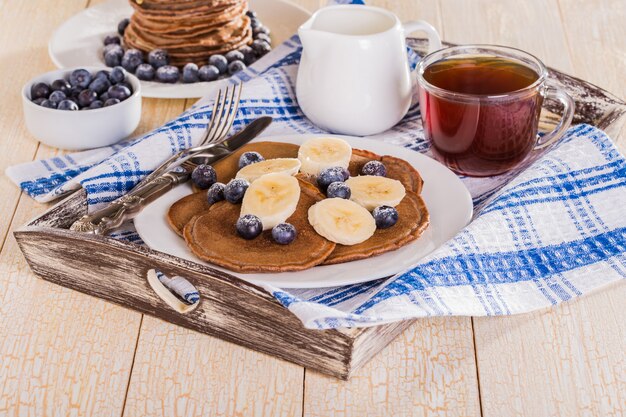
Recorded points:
(554,232)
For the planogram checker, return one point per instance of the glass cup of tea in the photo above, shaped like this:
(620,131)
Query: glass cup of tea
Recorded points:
(480,107)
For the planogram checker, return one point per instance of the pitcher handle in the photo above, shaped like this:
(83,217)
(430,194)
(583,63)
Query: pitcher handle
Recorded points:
(557,93)
(434,40)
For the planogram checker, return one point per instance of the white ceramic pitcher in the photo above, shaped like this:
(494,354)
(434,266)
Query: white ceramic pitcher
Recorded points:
(354,77)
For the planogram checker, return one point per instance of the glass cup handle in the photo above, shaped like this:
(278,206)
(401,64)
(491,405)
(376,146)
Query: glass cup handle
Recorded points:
(557,93)
(434,40)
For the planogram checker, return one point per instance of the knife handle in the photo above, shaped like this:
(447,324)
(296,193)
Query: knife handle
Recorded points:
(126,207)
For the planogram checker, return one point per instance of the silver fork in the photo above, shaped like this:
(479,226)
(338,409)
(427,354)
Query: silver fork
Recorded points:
(223,115)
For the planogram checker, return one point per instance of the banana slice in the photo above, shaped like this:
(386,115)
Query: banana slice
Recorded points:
(272,198)
(372,191)
(289,166)
(342,221)
(317,154)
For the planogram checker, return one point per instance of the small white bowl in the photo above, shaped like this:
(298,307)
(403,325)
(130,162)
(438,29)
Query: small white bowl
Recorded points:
(82,129)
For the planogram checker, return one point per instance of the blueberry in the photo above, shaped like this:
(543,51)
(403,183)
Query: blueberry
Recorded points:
(49,104)
(101,74)
(234,56)
(385,216)
(338,189)
(39,90)
(39,100)
(104,96)
(374,168)
(108,40)
(145,72)
(121,27)
(249,226)
(255,22)
(236,66)
(118,91)
(67,105)
(260,29)
(261,47)
(56,97)
(251,13)
(126,84)
(80,78)
(86,97)
(249,56)
(158,58)
(117,75)
(100,84)
(61,85)
(190,73)
(167,74)
(220,62)
(204,176)
(215,193)
(235,190)
(284,233)
(330,175)
(264,37)
(111,102)
(96,104)
(208,73)
(112,59)
(248,158)
(132,59)
(113,48)
(74,92)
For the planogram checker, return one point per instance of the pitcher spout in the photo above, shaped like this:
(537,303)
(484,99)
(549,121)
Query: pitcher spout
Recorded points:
(312,40)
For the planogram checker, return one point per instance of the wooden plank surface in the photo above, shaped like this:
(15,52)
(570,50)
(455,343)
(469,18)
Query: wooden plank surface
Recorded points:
(179,372)
(64,353)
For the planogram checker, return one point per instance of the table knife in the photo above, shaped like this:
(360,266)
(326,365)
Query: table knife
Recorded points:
(126,207)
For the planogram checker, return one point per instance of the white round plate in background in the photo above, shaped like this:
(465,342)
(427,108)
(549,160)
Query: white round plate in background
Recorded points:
(448,201)
(78,41)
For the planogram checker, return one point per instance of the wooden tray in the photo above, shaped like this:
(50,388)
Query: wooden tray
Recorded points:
(229,308)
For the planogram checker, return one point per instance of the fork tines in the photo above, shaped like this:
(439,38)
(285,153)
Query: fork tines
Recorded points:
(223,114)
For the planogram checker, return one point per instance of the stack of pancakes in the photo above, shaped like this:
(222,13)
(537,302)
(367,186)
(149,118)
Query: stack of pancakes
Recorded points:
(210,230)
(189,30)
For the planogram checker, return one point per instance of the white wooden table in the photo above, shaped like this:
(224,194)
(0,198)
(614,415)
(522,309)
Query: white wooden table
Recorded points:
(63,353)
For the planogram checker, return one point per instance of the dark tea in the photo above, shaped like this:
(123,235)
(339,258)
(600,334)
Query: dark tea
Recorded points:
(482,119)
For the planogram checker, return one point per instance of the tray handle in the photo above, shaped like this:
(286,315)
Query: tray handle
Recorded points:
(167,296)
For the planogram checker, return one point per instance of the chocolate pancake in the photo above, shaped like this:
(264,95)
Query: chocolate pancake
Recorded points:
(413,220)
(212,237)
(182,211)
(190,31)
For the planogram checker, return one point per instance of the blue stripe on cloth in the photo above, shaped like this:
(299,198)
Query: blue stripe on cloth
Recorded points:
(43,185)
(505,267)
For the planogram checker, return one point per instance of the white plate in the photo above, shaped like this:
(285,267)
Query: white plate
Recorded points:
(447,200)
(78,41)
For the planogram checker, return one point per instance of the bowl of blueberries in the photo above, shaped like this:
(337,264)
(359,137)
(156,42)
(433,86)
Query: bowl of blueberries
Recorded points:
(82,108)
